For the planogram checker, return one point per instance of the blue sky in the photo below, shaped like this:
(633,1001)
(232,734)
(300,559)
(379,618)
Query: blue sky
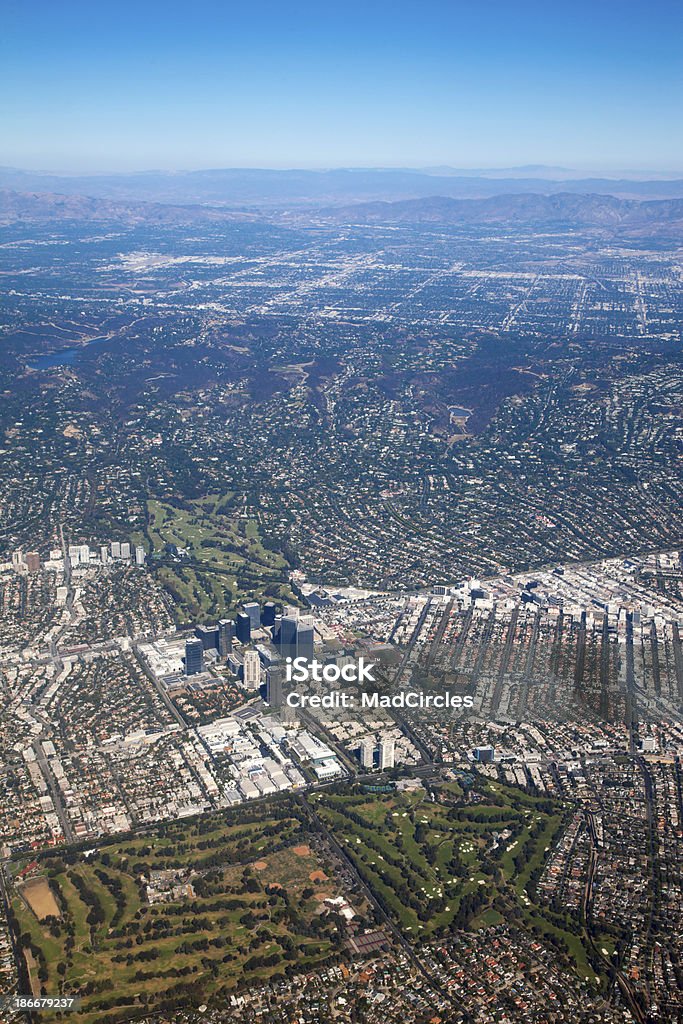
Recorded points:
(88,86)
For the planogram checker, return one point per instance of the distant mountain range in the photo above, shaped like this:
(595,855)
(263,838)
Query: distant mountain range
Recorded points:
(561,210)
(50,207)
(276,188)
(656,219)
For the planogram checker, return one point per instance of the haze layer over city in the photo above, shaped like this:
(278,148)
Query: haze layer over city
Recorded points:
(341,529)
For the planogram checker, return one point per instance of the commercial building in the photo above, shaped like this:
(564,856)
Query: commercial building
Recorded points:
(485,755)
(194,657)
(275,677)
(296,636)
(243,627)
(208,636)
(286,639)
(253,610)
(226,632)
(305,635)
(251,670)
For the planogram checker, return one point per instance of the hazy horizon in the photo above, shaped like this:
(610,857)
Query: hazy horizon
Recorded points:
(543,172)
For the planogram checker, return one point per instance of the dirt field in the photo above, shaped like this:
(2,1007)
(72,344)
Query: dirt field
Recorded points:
(302,850)
(318,876)
(40,898)
(260,865)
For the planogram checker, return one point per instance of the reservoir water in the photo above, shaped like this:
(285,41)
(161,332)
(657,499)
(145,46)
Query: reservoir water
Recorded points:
(64,356)
(459,413)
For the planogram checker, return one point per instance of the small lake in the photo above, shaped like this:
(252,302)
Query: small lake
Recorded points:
(64,356)
(459,413)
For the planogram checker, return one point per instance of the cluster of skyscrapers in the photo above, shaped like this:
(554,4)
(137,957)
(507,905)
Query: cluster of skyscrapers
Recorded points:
(276,638)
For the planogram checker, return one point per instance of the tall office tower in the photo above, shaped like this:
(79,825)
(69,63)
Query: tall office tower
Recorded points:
(140,555)
(243,627)
(268,617)
(226,631)
(367,752)
(305,633)
(275,677)
(32,561)
(104,554)
(84,554)
(386,753)
(208,636)
(194,657)
(287,638)
(253,610)
(115,549)
(125,549)
(18,557)
(74,552)
(251,673)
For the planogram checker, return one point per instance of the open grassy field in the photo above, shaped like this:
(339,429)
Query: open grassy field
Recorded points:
(226,562)
(180,916)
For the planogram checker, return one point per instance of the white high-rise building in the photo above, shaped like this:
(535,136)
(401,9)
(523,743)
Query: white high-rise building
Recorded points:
(139,555)
(115,549)
(251,670)
(104,554)
(125,549)
(84,554)
(367,752)
(386,754)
